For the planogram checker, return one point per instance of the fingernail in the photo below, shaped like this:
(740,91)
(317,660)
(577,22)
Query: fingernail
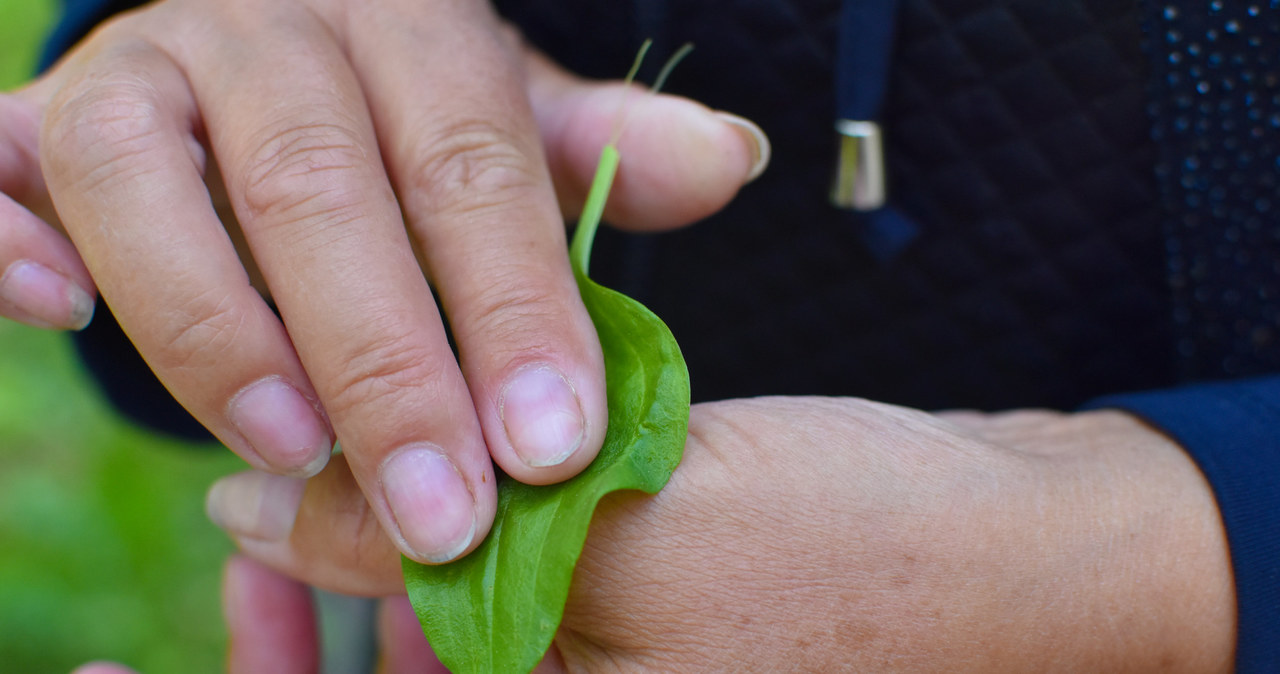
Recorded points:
(255,504)
(761,149)
(49,298)
(542,416)
(281,426)
(429,499)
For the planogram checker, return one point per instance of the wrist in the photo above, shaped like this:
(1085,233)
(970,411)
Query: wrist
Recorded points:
(1153,545)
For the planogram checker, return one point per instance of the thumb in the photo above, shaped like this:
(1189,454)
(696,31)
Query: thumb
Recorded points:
(681,160)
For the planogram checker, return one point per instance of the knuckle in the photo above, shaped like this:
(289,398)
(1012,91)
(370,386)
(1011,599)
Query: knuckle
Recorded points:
(98,127)
(304,170)
(470,166)
(201,334)
(382,371)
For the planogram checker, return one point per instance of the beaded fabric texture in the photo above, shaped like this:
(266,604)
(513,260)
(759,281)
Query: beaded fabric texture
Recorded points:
(1217,126)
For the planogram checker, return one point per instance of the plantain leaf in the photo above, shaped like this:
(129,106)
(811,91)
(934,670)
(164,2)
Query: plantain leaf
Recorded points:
(497,609)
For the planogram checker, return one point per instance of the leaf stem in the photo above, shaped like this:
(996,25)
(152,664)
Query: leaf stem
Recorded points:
(670,65)
(619,118)
(589,221)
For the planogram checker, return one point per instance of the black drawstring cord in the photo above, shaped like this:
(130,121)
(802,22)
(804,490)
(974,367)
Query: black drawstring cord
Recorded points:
(862,57)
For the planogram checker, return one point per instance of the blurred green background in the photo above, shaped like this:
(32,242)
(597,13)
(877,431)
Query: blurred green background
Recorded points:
(105,552)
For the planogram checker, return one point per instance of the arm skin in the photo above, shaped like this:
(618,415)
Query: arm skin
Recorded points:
(360,148)
(1230,429)
(1022,541)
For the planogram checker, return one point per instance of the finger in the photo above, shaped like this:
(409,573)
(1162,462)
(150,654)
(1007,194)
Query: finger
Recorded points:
(681,160)
(552,662)
(364,564)
(20,175)
(404,648)
(103,668)
(330,537)
(466,160)
(270,621)
(42,280)
(304,175)
(123,166)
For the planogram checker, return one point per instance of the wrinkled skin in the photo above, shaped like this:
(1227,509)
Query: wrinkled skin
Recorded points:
(799,534)
(818,534)
(334,155)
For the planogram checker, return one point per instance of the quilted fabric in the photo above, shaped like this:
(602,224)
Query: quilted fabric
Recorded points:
(1018,142)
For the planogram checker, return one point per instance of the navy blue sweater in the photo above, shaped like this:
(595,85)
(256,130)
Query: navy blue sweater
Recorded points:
(1081,205)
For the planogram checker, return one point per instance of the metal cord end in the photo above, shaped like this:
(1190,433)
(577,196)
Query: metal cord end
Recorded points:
(860,175)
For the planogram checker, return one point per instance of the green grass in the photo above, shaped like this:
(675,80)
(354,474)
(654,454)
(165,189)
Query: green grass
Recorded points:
(105,552)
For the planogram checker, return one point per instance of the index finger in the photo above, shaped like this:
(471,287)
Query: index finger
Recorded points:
(304,175)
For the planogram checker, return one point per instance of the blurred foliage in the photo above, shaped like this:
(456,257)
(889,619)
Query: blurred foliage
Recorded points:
(23,24)
(105,552)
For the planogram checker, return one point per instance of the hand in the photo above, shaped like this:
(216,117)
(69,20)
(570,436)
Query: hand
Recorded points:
(336,124)
(842,535)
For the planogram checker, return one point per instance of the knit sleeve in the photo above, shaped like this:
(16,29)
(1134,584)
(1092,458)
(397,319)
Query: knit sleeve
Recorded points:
(1232,431)
(78,18)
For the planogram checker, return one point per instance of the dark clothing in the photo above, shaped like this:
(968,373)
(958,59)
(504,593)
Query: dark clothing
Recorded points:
(1083,202)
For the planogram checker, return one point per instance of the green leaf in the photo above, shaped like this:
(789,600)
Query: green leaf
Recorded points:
(497,609)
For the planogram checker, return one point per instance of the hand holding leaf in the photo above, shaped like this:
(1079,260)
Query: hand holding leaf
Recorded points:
(498,609)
